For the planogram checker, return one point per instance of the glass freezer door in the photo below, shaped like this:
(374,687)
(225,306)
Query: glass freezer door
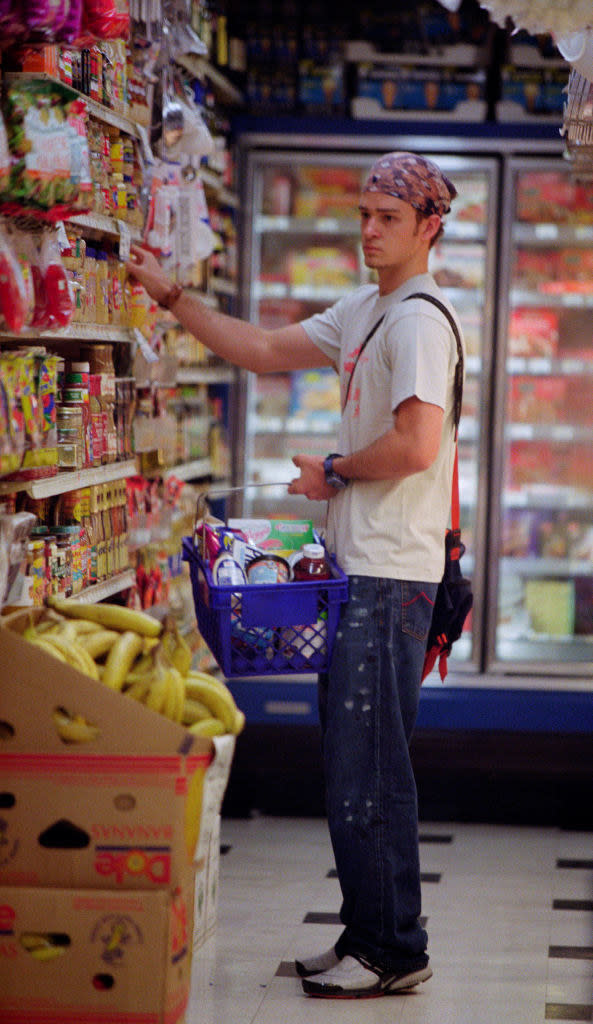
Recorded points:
(303,253)
(542,565)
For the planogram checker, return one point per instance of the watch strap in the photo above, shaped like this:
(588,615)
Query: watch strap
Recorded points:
(171,297)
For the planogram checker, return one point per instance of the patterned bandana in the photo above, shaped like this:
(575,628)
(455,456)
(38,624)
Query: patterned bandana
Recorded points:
(415,180)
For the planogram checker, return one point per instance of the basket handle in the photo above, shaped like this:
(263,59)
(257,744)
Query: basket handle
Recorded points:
(222,491)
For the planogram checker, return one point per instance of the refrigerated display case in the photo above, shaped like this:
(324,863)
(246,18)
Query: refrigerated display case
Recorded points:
(541,562)
(302,252)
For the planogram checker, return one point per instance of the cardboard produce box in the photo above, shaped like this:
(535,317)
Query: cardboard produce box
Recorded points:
(122,809)
(73,955)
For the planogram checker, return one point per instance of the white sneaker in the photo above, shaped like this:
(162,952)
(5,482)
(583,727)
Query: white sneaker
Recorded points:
(317,964)
(352,978)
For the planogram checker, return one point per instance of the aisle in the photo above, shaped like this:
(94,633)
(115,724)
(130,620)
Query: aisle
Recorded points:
(509,914)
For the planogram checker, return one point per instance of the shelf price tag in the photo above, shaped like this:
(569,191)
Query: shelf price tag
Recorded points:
(546,231)
(125,240)
(147,352)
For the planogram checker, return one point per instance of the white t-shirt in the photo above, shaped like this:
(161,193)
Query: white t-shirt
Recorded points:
(381,527)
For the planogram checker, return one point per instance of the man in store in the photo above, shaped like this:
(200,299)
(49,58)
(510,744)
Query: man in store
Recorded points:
(388,496)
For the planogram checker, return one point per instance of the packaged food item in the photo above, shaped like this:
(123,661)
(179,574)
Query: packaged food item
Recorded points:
(13,295)
(312,564)
(60,307)
(268,569)
(226,571)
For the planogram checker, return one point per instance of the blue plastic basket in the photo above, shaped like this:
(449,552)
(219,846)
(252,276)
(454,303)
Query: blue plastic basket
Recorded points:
(258,629)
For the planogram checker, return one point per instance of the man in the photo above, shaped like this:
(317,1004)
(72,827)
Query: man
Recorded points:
(388,495)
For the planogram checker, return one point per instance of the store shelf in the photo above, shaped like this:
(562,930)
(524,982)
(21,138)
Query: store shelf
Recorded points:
(213,181)
(456,230)
(193,470)
(562,300)
(282,290)
(96,110)
(74,332)
(100,591)
(548,496)
(103,225)
(222,286)
(537,567)
(559,432)
(70,481)
(291,425)
(205,375)
(306,225)
(548,234)
(199,67)
(539,365)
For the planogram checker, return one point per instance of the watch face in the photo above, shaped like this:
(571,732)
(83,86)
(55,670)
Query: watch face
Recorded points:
(332,477)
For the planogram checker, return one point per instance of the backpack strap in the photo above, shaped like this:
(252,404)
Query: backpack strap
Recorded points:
(458,386)
(374,328)
(458,397)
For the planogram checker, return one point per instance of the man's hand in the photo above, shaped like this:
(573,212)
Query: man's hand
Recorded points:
(311,482)
(144,266)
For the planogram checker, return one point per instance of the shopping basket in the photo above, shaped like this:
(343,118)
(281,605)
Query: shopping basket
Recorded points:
(257,629)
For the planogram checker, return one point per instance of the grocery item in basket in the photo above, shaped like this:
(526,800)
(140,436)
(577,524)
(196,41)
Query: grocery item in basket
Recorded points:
(312,564)
(282,536)
(227,571)
(268,569)
(304,641)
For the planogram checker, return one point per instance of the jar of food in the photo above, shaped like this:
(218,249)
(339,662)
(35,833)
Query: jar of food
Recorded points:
(71,441)
(312,565)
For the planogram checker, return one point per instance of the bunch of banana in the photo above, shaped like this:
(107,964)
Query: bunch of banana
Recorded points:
(133,654)
(44,945)
(209,707)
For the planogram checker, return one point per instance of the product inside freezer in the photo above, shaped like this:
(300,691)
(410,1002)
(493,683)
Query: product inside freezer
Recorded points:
(457,265)
(552,196)
(533,332)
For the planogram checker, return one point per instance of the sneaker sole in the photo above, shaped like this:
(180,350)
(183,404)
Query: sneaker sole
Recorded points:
(380,989)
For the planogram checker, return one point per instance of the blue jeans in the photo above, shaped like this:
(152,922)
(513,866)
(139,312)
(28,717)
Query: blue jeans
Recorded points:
(368,702)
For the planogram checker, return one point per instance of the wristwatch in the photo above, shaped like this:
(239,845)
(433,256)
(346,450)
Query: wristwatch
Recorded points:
(171,297)
(332,477)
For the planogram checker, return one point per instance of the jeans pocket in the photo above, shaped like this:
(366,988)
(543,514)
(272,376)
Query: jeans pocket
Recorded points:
(417,608)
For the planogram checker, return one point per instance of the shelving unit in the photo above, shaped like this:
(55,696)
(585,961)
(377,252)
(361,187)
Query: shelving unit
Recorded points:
(72,480)
(97,110)
(108,588)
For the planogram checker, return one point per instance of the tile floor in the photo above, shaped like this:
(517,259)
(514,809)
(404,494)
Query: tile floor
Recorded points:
(509,914)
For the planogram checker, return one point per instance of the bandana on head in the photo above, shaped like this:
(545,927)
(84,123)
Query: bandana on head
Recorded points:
(413,179)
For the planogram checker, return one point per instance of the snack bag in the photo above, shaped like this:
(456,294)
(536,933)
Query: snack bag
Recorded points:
(60,306)
(13,296)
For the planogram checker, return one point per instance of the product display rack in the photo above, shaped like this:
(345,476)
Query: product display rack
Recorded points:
(99,111)
(217,290)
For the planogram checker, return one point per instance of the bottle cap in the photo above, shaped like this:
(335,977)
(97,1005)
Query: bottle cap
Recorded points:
(313,551)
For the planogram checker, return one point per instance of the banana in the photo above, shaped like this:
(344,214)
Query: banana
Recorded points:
(221,703)
(120,659)
(138,689)
(76,656)
(84,626)
(207,727)
(194,711)
(156,697)
(98,642)
(74,729)
(179,693)
(176,648)
(239,723)
(112,616)
(42,946)
(40,641)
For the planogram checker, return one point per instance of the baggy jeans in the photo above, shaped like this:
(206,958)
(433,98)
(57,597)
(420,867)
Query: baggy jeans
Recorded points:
(368,703)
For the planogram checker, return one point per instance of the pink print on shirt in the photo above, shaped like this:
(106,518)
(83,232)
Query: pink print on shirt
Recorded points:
(349,366)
